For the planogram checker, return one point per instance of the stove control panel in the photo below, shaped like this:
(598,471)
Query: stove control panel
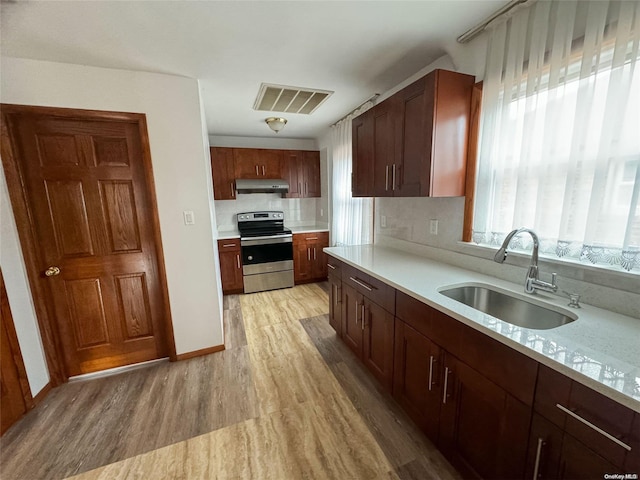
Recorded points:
(260,216)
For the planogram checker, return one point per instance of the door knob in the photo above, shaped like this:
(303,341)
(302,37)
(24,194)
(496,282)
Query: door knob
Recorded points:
(52,271)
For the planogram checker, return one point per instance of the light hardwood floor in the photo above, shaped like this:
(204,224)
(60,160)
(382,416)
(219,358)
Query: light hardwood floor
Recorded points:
(285,400)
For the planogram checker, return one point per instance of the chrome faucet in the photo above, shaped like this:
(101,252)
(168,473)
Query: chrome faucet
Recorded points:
(532,282)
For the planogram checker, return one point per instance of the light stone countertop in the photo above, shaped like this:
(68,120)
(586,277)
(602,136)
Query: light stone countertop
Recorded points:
(600,350)
(226,234)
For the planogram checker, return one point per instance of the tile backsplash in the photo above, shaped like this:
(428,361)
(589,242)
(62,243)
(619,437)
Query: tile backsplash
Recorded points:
(297,211)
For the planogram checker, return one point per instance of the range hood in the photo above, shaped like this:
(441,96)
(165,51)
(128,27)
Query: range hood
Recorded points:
(262,185)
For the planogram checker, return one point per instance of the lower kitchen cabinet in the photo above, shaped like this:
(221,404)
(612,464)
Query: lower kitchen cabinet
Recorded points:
(230,266)
(416,378)
(309,259)
(368,330)
(483,430)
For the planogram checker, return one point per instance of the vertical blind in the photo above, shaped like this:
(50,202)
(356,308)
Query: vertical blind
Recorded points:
(560,138)
(352,220)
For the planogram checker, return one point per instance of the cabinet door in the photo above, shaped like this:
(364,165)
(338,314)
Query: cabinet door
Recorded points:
(247,163)
(417,377)
(352,305)
(362,155)
(378,342)
(415,133)
(335,304)
(302,262)
(545,447)
(311,169)
(578,462)
(230,267)
(483,430)
(384,161)
(270,163)
(224,176)
(293,172)
(319,257)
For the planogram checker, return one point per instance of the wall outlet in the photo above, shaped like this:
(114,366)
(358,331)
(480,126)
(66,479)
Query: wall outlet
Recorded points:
(322,212)
(433,227)
(383,221)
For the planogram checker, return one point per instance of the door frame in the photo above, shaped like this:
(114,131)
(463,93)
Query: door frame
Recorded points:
(26,229)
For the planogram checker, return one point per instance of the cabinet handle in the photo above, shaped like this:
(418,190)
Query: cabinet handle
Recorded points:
(257,173)
(233,191)
(228,245)
(386,178)
(536,467)
(362,284)
(314,253)
(311,238)
(430,371)
(306,188)
(238,260)
(338,294)
(331,266)
(594,427)
(446,382)
(363,313)
(299,188)
(309,254)
(393,178)
(356,312)
(263,171)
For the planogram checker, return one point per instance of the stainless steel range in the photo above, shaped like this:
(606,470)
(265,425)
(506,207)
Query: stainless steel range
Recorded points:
(267,251)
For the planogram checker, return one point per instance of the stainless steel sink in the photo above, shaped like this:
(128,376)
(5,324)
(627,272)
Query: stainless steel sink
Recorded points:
(509,307)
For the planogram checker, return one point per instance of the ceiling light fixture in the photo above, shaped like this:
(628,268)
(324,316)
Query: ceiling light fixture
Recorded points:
(276,123)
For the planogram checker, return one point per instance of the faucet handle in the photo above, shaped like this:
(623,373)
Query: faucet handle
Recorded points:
(574,299)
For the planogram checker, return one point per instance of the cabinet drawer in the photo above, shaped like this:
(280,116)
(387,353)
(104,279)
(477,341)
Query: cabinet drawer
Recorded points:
(372,288)
(334,267)
(311,238)
(230,245)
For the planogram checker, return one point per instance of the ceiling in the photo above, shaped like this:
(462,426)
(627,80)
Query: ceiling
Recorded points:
(353,48)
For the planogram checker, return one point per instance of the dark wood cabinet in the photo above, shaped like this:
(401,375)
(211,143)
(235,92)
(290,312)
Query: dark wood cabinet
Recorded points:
(483,430)
(414,143)
(224,175)
(352,305)
(310,261)
(362,155)
(417,378)
(257,163)
(377,350)
(230,266)
(302,170)
(335,301)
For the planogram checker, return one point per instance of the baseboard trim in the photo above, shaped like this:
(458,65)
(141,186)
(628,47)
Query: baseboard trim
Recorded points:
(199,353)
(41,395)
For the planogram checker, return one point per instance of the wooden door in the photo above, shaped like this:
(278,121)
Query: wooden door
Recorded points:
(362,155)
(335,300)
(351,314)
(230,266)
(87,187)
(311,162)
(224,175)
(302,262)
(13,382)
(247,163)
(384,120)
(271,163)
(483,430)
(319,270)
(378,342)
(545,448)
(580,463)
(417,377)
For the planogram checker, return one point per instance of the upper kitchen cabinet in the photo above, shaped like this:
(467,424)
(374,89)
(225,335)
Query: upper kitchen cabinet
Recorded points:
(224,176)
(414,143)
(302,170)
(362,155)
(257,163)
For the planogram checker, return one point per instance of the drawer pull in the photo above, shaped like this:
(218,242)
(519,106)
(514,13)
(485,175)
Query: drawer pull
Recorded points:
(536,467)
(362,284)
(311,238)
(228,244)
(594,427)
(331,266)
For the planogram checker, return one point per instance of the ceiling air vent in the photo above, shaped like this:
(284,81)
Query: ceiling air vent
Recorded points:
(280,98)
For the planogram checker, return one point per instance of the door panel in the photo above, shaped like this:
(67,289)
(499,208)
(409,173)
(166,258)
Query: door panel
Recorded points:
(87,191)
(351,312)
(378,342)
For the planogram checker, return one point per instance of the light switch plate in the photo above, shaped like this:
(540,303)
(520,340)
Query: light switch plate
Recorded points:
(189,217)
(433,227)
(383,221)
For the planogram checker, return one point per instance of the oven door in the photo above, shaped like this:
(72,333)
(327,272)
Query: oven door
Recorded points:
(266,254)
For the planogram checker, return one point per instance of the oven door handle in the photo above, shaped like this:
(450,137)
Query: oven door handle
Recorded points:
(266,240)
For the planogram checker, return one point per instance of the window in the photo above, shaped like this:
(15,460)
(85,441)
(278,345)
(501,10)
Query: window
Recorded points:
(560,140)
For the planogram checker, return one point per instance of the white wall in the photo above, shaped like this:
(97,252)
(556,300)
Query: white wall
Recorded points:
(277,142)
(181,169)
